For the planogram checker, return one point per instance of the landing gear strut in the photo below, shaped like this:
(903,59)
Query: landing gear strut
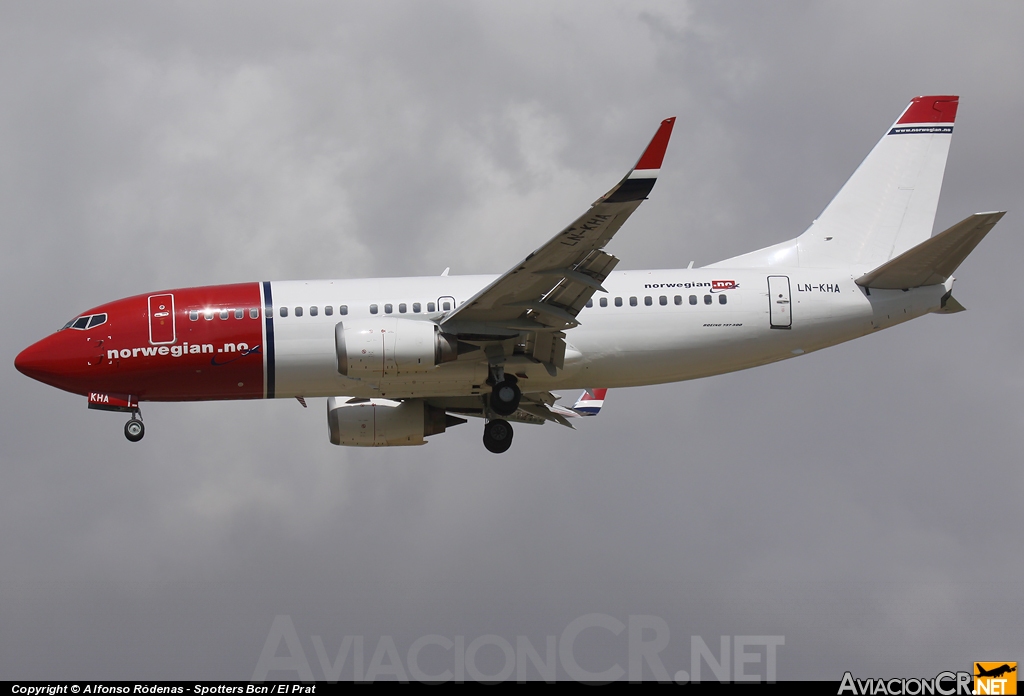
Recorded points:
(134,429)
(505,395)
(497,436)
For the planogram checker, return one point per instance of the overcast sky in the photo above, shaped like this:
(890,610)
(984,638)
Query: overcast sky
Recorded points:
(863,501)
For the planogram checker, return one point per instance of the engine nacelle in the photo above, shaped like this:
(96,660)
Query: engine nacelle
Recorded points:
(373,348)
(383,422)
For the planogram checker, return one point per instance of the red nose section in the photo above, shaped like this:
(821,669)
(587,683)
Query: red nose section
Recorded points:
(178,345)
(36,362)
(56,360)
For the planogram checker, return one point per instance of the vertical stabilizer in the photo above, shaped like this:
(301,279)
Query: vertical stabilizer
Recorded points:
(886,207)
(590,402)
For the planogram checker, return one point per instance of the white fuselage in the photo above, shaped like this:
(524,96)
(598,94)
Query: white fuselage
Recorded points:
(614,346)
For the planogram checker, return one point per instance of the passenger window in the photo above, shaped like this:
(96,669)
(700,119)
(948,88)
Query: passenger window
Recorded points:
(431,307)
(648,301)
(239,313)
(373,309)
(707,299)
(328,310)
(679,299)
(298,311)
(401,308)
(208,314)
(604,302)
(388,308)
(693,299)
(193,315)
(722,299)
(590,302)
(254,313)
(80,323)
(446,305)
(663,300)
(416,307)
(313,311)
(632,301)
(223,314)
(618,301)
(343,310)
(284,312)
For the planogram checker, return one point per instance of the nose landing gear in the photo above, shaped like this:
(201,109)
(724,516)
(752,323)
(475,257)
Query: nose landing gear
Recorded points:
(121,403)
(134,429)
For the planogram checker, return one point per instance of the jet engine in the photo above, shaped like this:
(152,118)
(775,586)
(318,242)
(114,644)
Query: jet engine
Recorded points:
(390,346)
(384,423)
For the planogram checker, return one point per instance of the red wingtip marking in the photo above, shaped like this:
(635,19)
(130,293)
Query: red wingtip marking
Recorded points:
(655,152)
(934,109)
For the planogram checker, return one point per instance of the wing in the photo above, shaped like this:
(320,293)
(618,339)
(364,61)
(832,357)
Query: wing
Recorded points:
(546,291)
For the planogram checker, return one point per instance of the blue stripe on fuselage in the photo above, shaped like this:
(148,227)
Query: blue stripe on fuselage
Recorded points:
(268,314)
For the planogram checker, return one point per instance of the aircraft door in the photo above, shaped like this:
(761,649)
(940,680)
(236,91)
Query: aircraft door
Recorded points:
(779,302)
(161,319)
(445,303)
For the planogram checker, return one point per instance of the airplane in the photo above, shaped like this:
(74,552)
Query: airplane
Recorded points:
(402,359)
(995,672)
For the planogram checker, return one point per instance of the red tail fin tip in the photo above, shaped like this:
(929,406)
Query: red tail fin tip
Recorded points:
(933,109)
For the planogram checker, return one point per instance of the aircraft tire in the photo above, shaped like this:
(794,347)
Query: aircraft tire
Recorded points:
(497,436)
(505,397)
(134,430)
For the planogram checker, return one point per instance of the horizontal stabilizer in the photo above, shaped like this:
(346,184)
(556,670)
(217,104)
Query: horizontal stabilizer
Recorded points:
(932,261)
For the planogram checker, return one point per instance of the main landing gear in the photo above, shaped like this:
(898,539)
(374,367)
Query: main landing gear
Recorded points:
(497,435)
(134,429)
(505,395)
(504,401)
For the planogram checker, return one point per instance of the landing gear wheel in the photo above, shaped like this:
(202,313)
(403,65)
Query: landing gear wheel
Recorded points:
(134,430)
(497,436)
(505,396)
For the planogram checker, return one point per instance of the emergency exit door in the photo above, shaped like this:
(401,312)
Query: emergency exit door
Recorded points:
(780,306)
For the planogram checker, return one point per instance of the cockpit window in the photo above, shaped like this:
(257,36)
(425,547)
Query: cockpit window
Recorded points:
(86,322)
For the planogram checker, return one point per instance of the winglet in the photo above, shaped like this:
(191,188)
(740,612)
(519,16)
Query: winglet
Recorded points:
(654,155)
(640,180)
